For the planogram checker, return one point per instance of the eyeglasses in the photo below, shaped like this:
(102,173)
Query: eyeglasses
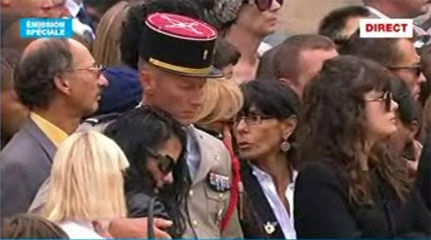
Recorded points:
(417,68)
(386,98)
(263,5)
(253,119)
(164,162)
(98,69)
(228,122)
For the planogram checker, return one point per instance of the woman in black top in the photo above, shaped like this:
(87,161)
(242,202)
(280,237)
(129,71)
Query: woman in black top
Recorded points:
(154,144)
(263,131)
(349,185)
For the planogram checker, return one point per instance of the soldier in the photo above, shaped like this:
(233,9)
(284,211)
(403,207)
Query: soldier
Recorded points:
(175,62)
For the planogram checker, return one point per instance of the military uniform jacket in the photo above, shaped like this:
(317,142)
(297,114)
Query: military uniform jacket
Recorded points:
(206,205)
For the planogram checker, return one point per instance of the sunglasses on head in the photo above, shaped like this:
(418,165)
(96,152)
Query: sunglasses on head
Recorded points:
(164,162)
(264,5)
(386,98)
(417,68)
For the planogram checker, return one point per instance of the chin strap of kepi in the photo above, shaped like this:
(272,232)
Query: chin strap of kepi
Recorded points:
(150,226)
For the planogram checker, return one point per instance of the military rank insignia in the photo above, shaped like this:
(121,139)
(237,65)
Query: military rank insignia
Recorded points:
(218,182)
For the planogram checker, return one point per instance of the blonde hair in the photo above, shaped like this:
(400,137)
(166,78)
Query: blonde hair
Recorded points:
(86,180)
(222,100)
(106,47)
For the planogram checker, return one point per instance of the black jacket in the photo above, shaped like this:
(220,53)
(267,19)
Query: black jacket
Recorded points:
(323,210)
(256,211)
(424,172)
(138,204)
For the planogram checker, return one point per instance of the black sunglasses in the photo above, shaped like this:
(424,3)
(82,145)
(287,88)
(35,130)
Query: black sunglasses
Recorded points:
(165,162)
(264,5)
(386,98)
(417,68)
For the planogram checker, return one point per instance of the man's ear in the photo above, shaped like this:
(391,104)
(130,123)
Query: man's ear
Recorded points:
(288,126)
(290,83)
(147,81)
(62,84)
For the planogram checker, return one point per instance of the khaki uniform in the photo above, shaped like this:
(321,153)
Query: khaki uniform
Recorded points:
(206,206)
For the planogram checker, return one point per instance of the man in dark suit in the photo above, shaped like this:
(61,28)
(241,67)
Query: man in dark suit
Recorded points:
(57,79)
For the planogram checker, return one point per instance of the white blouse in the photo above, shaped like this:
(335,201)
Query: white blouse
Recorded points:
(285,219)
(79,230)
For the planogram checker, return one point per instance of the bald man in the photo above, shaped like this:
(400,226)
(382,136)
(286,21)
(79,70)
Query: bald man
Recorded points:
(59,82)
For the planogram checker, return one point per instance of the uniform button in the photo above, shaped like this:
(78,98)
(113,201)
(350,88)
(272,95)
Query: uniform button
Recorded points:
(191,193)
(221,195)
(220,215)
(195,223)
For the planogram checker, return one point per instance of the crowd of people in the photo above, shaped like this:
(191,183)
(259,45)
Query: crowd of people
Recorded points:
(177,119)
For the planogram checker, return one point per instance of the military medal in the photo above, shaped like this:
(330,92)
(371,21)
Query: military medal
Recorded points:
(218,182)
(269,227)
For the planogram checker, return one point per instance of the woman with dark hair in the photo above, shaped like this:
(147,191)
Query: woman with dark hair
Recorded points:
(349,185)
(154,144)
(263,130)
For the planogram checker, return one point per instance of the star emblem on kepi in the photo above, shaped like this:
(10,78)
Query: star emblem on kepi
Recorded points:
(174,23)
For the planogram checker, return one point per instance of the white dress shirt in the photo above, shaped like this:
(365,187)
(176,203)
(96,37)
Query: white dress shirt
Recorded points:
(73,7)
(79,230)
(377,12)
(278,208)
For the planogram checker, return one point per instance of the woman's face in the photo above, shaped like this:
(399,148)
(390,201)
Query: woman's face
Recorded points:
(159,165)
(381,120)
(259,136)
(259,22)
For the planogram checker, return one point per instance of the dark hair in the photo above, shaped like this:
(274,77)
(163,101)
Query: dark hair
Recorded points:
(333,25)
(271,97)
(333,125)
(408,107)
(381,50)
(265,69)
(149,128)
(34,80)
(135,18)
(30,227)
(286,59)
(225,54)
(9,62)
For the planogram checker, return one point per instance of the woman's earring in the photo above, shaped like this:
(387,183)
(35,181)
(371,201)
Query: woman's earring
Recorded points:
(285,146)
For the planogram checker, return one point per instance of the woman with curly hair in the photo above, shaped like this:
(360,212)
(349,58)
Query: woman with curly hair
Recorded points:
(349,185)
(155,145)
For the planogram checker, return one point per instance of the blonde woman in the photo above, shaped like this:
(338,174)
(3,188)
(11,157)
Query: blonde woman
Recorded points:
(222,101)
(106,48)
(86,189)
